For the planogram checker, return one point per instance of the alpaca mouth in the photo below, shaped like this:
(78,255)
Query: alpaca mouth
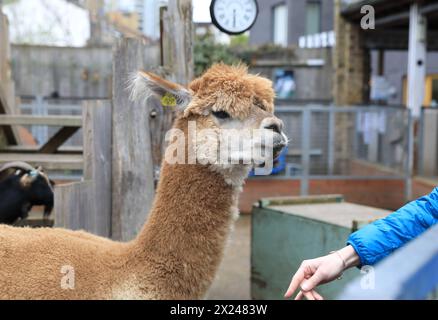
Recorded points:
(276,152)
(278,148)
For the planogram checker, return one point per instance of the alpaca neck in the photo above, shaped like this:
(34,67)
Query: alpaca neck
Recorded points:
(188,226)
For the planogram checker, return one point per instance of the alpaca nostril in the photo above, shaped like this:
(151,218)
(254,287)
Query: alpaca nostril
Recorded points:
(274,127)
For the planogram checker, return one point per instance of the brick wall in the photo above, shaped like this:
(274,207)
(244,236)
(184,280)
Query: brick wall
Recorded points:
(387,194)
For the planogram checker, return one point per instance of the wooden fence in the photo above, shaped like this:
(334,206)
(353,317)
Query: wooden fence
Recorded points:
(123,140)
(8,134)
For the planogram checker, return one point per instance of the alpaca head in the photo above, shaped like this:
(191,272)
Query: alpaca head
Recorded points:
(228,112)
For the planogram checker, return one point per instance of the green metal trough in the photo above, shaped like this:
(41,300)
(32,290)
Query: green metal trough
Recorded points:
(287,230)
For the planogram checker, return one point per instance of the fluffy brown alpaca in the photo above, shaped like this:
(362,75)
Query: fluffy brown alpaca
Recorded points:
(176,254)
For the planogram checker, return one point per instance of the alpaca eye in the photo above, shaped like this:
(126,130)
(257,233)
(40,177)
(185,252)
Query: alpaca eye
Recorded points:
(221,114)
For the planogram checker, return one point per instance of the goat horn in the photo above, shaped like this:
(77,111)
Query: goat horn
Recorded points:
(18,165)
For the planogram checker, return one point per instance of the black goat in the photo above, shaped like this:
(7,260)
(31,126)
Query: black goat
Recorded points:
(21,187)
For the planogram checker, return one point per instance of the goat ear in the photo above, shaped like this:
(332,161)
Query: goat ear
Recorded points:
(146,84)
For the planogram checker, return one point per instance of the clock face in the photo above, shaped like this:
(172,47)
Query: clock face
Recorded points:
(233,16)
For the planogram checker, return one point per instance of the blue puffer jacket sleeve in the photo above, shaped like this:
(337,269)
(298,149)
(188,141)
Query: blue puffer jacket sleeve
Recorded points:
(378,239)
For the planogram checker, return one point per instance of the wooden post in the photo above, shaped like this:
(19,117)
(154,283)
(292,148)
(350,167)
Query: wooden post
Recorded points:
(96,117)
(132,170)
(8,134)
(178,35)
(177,59)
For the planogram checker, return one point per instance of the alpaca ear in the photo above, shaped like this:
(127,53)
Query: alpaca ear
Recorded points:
(146,84)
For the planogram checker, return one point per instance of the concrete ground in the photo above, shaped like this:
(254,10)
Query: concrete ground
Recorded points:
(232,281)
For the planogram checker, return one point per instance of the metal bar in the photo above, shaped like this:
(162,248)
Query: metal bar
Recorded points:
(421,144)
(356,137)
(305,147)
(430,8)
(335,177)
(391,19)
(414,279)
(331,143)
(288,109)
(410,158)
(416,59)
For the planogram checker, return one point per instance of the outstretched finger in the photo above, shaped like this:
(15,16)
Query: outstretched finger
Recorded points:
(309,295)
(317,295)
(299,296)
(295,282)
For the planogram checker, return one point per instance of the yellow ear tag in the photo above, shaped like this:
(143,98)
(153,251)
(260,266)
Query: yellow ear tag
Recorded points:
(168,100)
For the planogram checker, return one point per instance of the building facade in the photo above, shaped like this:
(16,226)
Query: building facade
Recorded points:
(283,22)
(310,24)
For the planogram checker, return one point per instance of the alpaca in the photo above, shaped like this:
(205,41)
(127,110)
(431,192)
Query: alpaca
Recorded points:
(177,252)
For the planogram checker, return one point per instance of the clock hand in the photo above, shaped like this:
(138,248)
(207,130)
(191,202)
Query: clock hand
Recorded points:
(234,18)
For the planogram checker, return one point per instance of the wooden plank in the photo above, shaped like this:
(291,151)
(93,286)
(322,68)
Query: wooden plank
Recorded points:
(299,152)
(7,90)
(7,130)
(132,170)
(61,121)
(97,163)
(49,162)
(35,149)
(73,205)
(58,139)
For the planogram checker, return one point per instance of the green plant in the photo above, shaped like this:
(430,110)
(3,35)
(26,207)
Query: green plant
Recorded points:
(208,52)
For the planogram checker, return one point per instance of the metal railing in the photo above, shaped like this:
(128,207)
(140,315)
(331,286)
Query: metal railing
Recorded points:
(428,143)
(399,276)
(362,143)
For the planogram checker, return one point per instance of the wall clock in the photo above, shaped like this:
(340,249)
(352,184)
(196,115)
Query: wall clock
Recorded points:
(234,16)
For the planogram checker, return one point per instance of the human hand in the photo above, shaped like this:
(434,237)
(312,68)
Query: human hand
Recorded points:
(321,270)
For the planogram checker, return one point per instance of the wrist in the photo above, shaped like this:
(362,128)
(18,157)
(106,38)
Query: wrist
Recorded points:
(349,257)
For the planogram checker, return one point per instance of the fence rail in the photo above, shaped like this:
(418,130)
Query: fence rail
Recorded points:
(428,143)
(399,276)
(363,143)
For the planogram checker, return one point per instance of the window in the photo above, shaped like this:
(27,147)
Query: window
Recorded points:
(313,17)
(280,25)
